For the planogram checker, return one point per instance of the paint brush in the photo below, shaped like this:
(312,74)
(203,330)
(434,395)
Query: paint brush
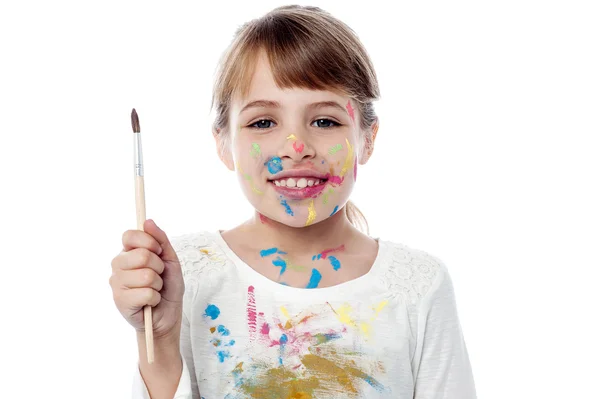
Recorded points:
(140,209)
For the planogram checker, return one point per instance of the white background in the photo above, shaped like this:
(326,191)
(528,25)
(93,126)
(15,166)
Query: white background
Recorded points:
(487,157)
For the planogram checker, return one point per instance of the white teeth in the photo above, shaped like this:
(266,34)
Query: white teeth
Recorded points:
(277,183)
(291,182)
(310,183)
(301,183)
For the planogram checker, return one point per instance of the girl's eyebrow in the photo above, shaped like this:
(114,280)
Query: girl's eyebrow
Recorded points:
(275,104)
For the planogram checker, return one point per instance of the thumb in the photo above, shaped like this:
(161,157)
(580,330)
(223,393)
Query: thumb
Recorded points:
(168,254)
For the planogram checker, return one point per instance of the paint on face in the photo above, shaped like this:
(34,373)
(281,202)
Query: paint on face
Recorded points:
(249,178)
(312,214)
(335,149)
(274,165)
(255,151)
(298,148)
(315,279)
(323,255)
(280,263)
(335,263)
(326,196)
(322,162)
(334,210)
(349,158)
(288,209)
(355,167)
(291,137)
(212,311)
(264,219)
(270,251)
(350,110)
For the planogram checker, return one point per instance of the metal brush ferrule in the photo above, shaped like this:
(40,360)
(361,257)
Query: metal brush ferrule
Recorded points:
(138,162)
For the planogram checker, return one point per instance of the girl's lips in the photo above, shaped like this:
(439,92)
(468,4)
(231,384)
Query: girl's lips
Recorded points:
(299,193)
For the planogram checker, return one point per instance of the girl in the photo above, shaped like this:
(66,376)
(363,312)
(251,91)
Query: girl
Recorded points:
(296,302)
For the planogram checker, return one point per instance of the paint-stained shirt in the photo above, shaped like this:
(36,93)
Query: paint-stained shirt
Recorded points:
(392,333)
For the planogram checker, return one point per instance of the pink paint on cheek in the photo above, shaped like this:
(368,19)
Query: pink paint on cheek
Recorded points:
(334,179)
(298,148)
(350,110)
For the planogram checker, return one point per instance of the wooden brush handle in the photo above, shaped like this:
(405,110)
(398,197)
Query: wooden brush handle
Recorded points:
(140,206)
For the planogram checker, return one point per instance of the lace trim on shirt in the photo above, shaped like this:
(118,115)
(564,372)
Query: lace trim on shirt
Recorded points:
(410,273)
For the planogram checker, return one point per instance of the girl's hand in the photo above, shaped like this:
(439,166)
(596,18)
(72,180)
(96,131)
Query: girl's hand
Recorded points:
(147,272)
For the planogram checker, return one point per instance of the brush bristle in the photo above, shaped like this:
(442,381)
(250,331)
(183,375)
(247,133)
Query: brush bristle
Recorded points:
(135,122)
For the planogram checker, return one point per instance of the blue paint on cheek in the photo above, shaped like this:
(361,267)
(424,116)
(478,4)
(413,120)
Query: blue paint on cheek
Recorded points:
(334,210)
(288,210)
(280,263)
(334,262)
(212,311)
(315,278)
(222,330)
(274,165)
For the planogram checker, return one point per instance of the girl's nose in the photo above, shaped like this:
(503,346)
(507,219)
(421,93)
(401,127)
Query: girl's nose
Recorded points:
(297,148)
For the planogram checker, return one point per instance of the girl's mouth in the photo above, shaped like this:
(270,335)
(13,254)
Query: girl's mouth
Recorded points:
(299,187)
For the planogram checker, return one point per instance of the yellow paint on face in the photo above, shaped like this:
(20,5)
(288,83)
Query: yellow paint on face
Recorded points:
(291,137)
(312,214)
(349,157)
(249,178)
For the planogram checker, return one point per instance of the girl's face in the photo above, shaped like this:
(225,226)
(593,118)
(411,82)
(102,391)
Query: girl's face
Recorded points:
(294,150)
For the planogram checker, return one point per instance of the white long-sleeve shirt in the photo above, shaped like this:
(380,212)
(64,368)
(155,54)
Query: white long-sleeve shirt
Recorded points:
(391,333)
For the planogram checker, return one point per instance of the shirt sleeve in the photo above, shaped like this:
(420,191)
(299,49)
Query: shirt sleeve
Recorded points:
(187,388)
(441,366)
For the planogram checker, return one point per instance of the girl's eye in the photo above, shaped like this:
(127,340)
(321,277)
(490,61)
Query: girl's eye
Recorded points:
(261,124)
(333,123)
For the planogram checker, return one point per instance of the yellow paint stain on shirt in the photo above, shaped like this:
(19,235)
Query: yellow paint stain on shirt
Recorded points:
(285,312)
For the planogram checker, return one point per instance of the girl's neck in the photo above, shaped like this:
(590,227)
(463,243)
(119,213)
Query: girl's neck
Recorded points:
(329,233)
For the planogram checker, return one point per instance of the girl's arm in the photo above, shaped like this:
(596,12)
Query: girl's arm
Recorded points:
(441,366)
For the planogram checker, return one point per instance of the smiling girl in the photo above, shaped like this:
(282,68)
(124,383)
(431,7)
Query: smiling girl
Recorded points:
(297,301)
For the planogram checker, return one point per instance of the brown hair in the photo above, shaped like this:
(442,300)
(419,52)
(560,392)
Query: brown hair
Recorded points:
(307,48)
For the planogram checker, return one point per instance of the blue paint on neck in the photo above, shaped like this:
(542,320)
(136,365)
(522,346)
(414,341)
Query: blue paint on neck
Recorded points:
(315,278)
(280,263)
(334,262)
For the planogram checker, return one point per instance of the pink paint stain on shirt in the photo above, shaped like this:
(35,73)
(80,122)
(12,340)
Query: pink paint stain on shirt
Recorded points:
(298,148)
(251,312)
(350,110)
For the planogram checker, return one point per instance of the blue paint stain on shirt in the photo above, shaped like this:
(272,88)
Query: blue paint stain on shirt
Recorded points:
(280,263)
(222,330)
(274,165)
(334,210)
(223,355)
(212,311)
(283,340)
(315,278)
(334,262)
(287,207)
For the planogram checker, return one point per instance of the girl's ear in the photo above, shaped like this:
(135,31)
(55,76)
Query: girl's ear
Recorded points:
(223,147)
(370,137)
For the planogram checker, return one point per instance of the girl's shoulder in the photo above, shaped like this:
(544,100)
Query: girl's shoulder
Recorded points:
(409,271)
(198,250)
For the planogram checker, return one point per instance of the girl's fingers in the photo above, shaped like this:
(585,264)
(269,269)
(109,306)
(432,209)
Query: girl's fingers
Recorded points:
(141,278)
